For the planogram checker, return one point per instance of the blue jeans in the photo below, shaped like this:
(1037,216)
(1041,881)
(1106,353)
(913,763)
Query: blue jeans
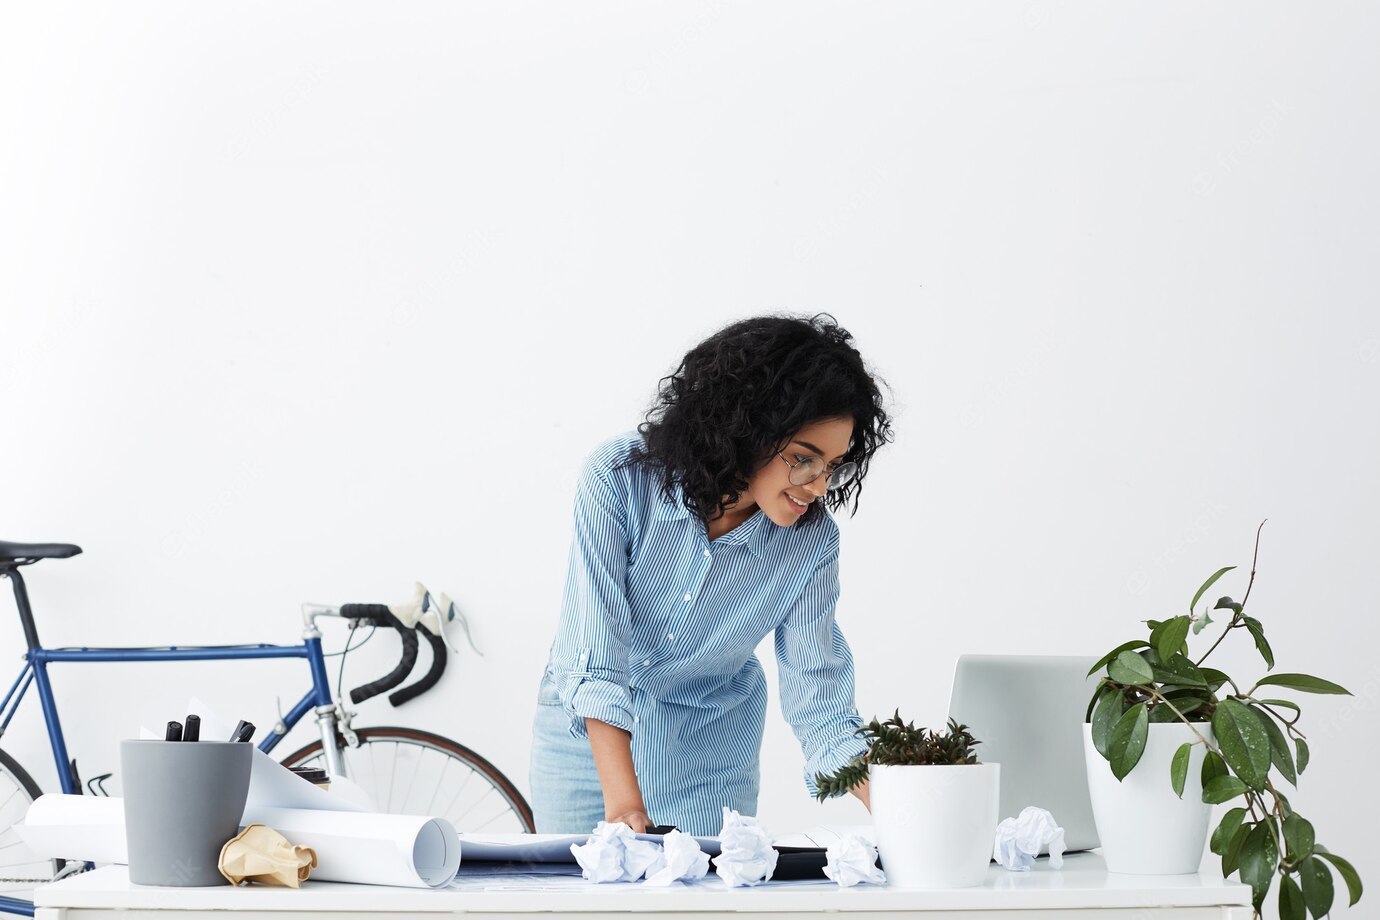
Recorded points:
(566,796)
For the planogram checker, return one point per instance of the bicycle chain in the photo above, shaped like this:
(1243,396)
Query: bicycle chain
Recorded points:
(42,881)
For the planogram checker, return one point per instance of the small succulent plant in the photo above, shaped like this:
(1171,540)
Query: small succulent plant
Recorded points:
(898,743)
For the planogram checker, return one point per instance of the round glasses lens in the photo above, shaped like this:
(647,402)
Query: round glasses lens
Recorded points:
(806,471)
(843,475)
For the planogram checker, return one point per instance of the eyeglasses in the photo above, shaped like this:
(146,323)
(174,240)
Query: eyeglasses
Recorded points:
(807,469)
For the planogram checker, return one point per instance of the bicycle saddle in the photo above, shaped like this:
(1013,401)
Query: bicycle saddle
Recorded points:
(12,552)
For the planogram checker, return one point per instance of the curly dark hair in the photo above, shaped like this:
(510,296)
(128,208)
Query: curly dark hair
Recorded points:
(737,395)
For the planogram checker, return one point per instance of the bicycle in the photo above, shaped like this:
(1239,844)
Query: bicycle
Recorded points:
(375,758)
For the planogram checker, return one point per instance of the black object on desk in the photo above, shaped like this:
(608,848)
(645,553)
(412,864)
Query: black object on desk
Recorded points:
(173,732)
(193,730)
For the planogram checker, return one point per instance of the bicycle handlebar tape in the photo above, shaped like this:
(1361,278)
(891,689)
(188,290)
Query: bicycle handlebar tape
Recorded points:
(398,674)
(433,674)
(377,614)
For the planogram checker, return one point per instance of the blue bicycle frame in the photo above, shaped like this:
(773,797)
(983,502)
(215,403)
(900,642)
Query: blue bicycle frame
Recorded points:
(35,671)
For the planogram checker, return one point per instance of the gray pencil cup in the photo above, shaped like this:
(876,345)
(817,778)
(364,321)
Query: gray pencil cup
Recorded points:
(183,801)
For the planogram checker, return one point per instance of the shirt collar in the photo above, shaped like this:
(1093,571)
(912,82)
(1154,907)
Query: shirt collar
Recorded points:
(751,533)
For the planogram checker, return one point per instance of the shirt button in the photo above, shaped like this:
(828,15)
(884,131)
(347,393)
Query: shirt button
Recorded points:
(687,595)
(708,553)
(647,662)
(636,719)
(670,637)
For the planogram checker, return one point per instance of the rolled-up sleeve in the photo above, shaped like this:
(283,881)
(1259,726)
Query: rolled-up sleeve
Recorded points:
(815,667)
(592,639)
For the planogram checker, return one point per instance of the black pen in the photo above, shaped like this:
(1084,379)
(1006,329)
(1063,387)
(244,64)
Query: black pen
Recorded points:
(174,732)
(193,730)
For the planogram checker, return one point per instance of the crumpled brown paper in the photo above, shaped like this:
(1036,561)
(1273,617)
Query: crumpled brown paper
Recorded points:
(260,854)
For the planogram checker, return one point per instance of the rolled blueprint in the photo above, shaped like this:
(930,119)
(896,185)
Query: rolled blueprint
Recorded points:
(413,851)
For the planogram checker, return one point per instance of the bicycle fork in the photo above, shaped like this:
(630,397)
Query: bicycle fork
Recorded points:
(332,718)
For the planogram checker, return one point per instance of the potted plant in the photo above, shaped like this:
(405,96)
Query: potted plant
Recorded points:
(1158,714)
(933,804)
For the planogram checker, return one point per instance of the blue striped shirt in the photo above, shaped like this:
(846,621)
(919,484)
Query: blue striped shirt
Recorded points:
(657,630)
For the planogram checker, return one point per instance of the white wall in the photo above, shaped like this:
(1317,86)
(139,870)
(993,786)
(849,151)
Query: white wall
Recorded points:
(305,302)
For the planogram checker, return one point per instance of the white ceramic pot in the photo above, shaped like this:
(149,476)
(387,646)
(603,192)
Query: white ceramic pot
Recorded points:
(935,824)
(1146,829)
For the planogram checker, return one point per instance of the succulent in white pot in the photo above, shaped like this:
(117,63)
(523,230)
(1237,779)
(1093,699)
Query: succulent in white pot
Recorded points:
(934,805)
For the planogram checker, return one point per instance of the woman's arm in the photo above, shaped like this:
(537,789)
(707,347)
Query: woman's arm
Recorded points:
(815,667)
(612,748)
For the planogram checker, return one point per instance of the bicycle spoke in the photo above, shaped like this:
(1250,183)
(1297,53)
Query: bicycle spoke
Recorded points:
(491,791)
(392,776)
(440,781)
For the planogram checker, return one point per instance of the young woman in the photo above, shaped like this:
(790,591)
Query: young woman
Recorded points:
(695,536)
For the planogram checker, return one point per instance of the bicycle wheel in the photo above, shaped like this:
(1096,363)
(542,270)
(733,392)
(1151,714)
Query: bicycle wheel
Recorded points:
(20,869)
(413,772)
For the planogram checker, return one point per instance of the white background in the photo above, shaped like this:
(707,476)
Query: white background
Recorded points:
(310,301)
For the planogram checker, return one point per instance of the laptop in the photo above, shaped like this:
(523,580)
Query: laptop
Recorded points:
(1027,710)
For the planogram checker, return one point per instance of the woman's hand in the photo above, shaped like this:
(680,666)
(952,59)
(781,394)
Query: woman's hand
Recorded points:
(635,819)
(864,793)
(612,749)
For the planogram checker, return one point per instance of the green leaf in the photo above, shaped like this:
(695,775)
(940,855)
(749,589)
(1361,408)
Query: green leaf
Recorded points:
(1201,623)
(1305,682)
(1128,740)
(1181,672)
(1259,858)
(1232,857)
(1101,690)
(1223,789)
(1261,645)
(1283,704)
(1298,838)
(1290,900)
(1214,677)
(1170,637)
(1317,886)
(1213,767)
(1302,747)
(1133,644)
(1160,713)
(1280,755)
(1208,584)
(1226,830)
(1178,768)
(1108,710)
(1187,705)
(1226,603)
(1346,871)
(1130,668)
(1243,741)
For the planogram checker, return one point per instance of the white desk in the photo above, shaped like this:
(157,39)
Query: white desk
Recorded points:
(1083,890)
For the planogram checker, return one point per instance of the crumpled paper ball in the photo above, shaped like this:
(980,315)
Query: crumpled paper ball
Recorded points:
(852,859)
(680,859)
(745,855)
(1019,840)
(260,854)
(614,854)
